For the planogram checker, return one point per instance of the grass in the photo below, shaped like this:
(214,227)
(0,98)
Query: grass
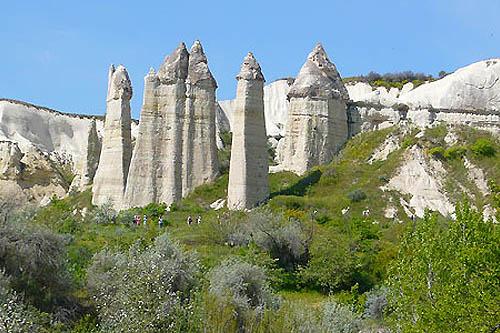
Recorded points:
(319,196)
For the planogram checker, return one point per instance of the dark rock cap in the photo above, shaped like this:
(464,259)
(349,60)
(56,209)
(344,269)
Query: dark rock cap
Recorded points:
(250,69)
(318,78)
(198,70)
(175,66)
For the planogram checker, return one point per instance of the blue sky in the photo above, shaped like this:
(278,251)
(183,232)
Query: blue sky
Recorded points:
(57,53)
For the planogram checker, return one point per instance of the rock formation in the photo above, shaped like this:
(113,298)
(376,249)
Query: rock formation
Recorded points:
(199,161)
(275,108)
(156,168)
(176,148)
(111,175)
(316,127)
(249,167)
(87,166)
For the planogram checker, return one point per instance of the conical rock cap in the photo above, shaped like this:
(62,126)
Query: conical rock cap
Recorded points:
(250,69)
(318,78)
(198,70)
(175,66)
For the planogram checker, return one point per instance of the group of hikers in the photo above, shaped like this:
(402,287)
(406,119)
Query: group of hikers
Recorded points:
(137,220)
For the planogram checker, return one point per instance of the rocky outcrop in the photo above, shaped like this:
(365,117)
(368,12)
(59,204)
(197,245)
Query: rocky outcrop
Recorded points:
(176,148)
(199,155)
(155,172)
(317,124)
(87,166)
(249,167)
(423,181)
(111,175)
(10,160)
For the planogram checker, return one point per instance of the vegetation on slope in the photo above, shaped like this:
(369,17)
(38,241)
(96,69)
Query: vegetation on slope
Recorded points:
(394,80)
(298,263)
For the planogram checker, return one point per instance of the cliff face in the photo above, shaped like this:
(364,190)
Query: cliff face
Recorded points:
(316,127)
(111,175)
(249,166)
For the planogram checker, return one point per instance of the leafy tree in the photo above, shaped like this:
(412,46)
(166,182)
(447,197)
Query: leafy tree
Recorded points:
(447,275)
(333,262)
(144,290)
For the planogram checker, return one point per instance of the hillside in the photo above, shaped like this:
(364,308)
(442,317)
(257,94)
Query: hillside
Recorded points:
(381,173)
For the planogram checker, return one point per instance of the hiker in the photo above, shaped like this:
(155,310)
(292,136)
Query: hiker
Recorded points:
(160,221)
(198,220)
(189,220)
(145,220)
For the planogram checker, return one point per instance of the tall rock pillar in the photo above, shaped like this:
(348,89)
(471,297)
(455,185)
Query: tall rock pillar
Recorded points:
(316,127)
(199,163)
(156,169)
(249,166)
(111,176)
(141,182)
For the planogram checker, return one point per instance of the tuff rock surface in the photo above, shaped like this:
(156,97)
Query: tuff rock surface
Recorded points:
(199,155)
(176,148)
(111,176)
(155,172)
(317,124)
(249,166)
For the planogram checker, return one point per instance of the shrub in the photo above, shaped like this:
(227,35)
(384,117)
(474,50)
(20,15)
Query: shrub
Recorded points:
(483,147)
(35,259)
(333,261)
(455,152)
(408,142)
(126,217)
(383,178)
(242,286)
(144,290)
(105,213)
(375,303)
(288,241)
(356,195)
(339,318)
(15,315)
(437,152)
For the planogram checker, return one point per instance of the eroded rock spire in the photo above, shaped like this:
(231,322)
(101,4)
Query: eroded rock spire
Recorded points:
(155,171)
(200,164)
(316,127)
(249,166)
(111,176)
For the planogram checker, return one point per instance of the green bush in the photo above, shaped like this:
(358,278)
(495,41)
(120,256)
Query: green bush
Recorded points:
(455,152)
(408,142)
(144,290)
(483,147)
(357,195)
(437,152)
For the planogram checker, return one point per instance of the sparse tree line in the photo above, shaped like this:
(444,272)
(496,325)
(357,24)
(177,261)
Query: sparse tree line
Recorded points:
(444,276)
(397,79)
